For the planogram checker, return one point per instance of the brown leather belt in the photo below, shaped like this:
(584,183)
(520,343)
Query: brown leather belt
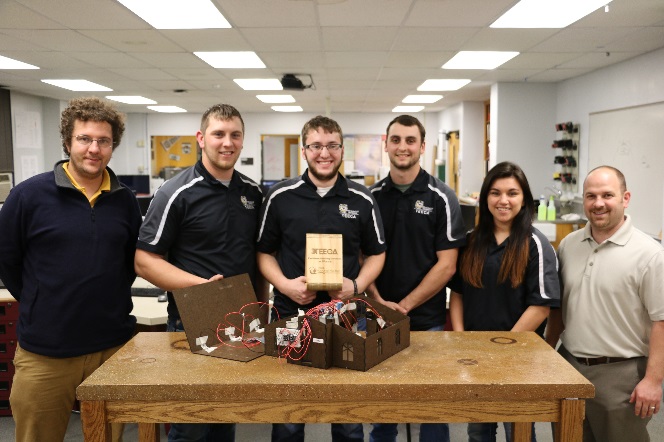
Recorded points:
(600,360)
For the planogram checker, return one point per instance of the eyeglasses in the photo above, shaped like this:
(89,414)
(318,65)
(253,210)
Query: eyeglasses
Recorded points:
(334,147)
(103,143)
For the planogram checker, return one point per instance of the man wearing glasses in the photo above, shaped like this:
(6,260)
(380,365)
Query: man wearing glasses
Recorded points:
(67,255)
(320,201)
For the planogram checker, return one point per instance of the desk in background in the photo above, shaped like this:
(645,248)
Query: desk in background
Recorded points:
(441,377)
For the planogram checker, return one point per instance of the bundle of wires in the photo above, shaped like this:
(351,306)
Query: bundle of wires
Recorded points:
(341,313)
(242,329)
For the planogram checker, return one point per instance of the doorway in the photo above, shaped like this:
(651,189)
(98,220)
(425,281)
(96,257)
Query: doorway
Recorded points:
(453,160)
(280,157)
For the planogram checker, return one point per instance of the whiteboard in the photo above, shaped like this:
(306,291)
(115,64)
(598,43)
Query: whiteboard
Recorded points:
(632,140)
(273,157)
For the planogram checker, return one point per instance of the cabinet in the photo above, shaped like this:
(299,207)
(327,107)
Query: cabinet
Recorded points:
(8,320)
(564,229)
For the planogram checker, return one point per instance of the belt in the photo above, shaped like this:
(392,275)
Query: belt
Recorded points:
(600,360)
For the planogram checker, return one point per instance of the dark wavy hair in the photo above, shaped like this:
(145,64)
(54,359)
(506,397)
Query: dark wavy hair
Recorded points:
(223,112)
(408,121)
(90,109)
(320,122)
(515,260)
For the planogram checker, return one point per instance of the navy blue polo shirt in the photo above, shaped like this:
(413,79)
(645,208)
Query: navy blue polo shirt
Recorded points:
(419,222)
(202,226)
(293,208)
(497,307)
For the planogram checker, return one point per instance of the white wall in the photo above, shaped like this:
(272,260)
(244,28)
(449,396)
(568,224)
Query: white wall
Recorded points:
(132,156)
(471,146)
(468,119)
(257,124)
(524,123)
(631,83)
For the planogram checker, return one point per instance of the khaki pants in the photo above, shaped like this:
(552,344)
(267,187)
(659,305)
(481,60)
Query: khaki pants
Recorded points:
(609,415)
(44,391)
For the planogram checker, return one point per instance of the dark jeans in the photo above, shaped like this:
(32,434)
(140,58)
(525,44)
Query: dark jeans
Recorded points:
(428,433)
(198,432)
(295,433)
(486,432)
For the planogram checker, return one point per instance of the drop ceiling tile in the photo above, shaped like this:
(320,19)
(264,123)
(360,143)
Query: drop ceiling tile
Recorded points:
(134,40)
(432,38)
(283,39)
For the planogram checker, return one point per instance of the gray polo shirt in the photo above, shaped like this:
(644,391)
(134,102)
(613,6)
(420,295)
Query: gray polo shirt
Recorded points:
(611,292)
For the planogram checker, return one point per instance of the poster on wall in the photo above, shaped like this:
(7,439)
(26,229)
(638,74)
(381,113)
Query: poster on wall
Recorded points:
(173,153)
(367,151)
(28,130)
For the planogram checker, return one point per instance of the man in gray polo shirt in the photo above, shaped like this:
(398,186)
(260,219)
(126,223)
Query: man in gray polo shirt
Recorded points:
(612,312)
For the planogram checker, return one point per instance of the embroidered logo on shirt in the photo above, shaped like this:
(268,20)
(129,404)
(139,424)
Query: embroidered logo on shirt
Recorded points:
(421,208)
(246,203)
(347,213)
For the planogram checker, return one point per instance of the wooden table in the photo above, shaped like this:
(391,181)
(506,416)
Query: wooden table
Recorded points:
(441,377)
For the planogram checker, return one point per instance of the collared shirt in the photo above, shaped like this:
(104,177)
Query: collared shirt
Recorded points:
(293,208)
(611,292)
(105,184)
(498,306)
(204,227)
(419,222)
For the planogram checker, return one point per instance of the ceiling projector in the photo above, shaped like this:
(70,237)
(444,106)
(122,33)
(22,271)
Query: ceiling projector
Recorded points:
(293,83)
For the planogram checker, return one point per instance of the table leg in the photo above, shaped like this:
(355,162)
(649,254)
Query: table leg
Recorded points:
(96,427)
(148,432)
(570,427)
(522,431)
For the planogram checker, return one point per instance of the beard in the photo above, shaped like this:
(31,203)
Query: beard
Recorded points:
(324,176)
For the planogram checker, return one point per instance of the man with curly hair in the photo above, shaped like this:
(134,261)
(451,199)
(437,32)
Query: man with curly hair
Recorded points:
(67,255)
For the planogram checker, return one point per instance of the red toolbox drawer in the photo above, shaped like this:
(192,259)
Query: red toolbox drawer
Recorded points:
(6,368)
(5,409)
(7,330)
(5,388)
(8,311)
(7,349)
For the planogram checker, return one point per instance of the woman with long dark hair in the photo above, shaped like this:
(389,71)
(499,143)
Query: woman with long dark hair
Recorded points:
(507,277)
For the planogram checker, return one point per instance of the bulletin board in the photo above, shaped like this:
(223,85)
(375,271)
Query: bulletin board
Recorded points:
(173,151)
(631,140)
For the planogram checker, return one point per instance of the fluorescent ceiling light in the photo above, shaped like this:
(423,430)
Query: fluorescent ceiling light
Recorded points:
(547,13)
(407,108)
(259,84)
(231,60)
(287,108)
(443,84)
(10,63)
(276,98)
(167,109)
(178,14)
(131,99)
(78,85)
(479,59)
(421,98)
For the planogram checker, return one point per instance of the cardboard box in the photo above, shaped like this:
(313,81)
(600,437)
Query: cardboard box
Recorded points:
(215,313)
(324,265)
(332,344)
(313,351)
